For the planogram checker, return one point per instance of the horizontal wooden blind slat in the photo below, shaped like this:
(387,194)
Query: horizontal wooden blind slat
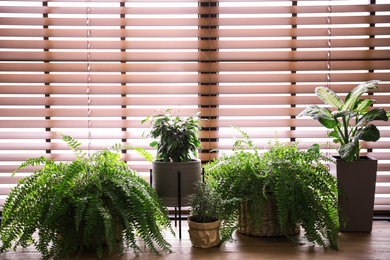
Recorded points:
(200,56)
(197,10)
(157,67)
(107,112)
(201,100)
(134,21)
(190,78)
(281,88)
(135,157)
(133,10)
(193,44)
(301,9)
(270,133)
(110,123)
(108,88)
(185,32)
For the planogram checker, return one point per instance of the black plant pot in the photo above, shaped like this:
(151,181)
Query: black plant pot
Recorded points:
(165,180)
(356,182)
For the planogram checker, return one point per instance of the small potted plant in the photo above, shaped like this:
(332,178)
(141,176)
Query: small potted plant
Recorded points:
(208,209)
(351,122)
(177,143)
(279,190)
(90,202)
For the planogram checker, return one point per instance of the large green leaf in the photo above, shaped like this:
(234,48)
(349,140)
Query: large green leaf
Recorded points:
(343,114)
(374,114)
(347,151)
(368,133)
(329,97)
(322,114)
(353,96)
(363,104)
(316,112)
(328,123)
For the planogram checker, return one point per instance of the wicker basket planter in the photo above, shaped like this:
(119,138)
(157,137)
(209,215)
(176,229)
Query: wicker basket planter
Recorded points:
(270,226)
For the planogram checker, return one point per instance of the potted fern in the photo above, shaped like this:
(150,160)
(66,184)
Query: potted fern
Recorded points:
(208,210)
(279,190)
(176,143)
(90,202)
(351,122)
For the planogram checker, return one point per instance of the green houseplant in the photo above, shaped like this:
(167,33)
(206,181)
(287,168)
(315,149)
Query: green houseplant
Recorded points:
(351,122)
(301,187)
(178,136)
(90,202)
(208,209)
(176,140)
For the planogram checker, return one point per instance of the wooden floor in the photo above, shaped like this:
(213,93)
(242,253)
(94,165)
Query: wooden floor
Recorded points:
(354,246)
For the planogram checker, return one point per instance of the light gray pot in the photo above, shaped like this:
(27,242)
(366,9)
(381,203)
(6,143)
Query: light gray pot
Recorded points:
(165,180)
(356,182)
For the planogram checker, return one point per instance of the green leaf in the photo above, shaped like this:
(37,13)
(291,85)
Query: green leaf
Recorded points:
(347,151)
(363,104)
(314,148)
(329,97)
(146,119)
(368,133)
(317,112)
(338,114)
(334,134)
(374,114)
(154,144)
(328,123)
(352,98)
(336,141)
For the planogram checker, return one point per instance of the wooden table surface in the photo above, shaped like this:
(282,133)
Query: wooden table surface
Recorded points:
(354,246)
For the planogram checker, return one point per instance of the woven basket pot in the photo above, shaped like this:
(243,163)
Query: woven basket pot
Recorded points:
(270,226)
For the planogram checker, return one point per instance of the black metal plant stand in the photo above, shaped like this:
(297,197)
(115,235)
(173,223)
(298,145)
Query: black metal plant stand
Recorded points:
(178,197)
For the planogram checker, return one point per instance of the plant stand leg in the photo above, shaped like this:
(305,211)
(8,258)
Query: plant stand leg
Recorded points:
(179,199)
(175,216)
(151,178)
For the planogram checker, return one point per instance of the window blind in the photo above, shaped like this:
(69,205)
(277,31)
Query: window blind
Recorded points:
(270,56)
(94,69)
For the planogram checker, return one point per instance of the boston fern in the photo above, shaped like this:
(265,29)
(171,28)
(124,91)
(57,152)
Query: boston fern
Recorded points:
(304,190)
(178,137)
(351,119)
(90,202)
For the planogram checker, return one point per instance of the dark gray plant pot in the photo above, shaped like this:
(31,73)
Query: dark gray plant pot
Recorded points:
(165,180)
(357,186)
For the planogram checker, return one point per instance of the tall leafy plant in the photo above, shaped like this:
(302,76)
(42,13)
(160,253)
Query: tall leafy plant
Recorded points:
(177,136)
(304,190)
(351,120)
(87,203)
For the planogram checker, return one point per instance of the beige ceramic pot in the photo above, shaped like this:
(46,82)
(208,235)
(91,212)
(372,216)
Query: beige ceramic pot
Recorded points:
(203,235)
